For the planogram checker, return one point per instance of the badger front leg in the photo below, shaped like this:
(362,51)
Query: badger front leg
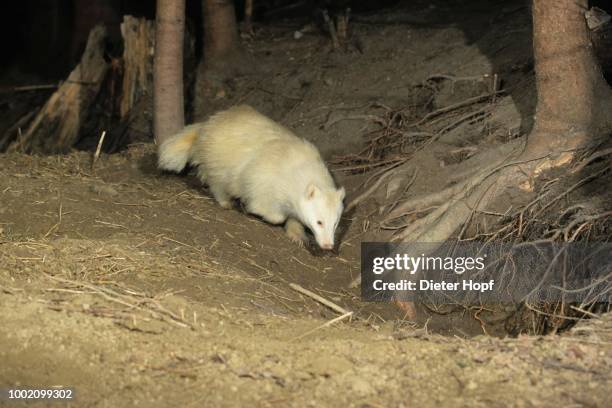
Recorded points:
(221,196)
(295,231)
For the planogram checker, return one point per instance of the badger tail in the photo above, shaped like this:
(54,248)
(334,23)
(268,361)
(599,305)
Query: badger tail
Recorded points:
(174,153)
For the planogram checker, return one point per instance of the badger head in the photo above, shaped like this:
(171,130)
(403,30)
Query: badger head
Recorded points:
(320,211)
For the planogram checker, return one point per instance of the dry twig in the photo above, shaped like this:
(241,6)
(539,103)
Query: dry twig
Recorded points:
(319,299)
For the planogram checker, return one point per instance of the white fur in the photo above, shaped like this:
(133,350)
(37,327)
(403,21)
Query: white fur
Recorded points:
(173,154)
(240,153)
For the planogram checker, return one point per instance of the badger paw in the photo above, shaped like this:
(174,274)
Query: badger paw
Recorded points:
(221,197)
(225,204)
(295,231)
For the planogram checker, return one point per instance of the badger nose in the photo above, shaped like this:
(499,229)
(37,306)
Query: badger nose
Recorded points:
(327,246)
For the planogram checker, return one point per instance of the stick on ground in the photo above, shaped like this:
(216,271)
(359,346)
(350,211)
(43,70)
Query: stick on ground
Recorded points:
(98,149)
(326,324)
(319,299)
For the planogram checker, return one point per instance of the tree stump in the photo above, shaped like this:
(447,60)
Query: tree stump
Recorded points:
(128,102)
(138,49)
(56,127)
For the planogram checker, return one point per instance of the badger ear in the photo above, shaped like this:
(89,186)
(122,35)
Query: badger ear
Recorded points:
(341,193)
(311,191)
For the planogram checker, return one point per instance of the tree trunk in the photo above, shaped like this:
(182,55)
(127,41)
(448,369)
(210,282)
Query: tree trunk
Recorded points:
(574,105)
(573,97)
(248,16)
(223,57)
(168,102)
(220,31)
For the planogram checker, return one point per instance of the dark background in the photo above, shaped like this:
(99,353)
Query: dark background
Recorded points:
(46,37)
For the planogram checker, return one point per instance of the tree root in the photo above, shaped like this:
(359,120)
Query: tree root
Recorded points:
(455,206)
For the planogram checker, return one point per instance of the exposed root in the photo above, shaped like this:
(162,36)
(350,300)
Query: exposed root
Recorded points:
(450,212)
(372,189)
(402,132)
(454,205)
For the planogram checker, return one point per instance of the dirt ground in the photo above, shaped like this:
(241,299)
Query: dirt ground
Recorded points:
(134,288)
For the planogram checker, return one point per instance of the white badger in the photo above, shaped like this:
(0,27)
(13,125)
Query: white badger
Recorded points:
(278,176)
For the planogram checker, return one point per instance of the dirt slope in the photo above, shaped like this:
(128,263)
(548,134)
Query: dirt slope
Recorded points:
(144,293)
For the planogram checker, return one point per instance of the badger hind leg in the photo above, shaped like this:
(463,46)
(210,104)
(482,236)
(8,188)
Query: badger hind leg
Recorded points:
(267,211)
(295,231)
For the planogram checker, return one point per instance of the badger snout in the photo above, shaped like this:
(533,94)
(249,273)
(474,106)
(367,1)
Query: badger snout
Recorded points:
(327,246)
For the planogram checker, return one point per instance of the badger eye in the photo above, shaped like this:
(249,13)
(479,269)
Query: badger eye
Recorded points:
(320,223)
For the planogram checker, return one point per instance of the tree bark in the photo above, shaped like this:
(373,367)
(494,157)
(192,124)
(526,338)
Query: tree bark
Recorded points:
(573,96)
(138,39)
(223,57)
(220,31)
(169,115)
(248,16)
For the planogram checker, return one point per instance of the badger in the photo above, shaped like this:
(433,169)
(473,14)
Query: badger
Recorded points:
(242,154)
